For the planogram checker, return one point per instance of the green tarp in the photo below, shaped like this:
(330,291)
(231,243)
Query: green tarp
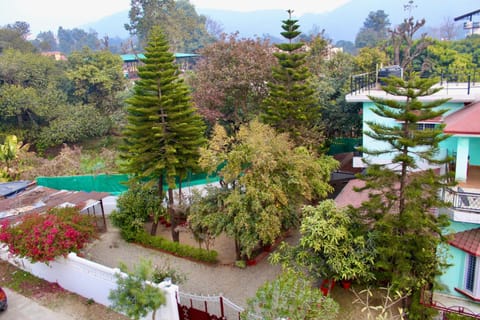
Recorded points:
(111,183)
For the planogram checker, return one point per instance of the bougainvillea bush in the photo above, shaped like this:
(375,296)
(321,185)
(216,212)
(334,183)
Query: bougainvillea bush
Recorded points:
(43,237)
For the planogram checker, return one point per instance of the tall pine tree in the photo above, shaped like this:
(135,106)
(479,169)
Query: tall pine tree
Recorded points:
(292,105)
(403,193)
(164,131)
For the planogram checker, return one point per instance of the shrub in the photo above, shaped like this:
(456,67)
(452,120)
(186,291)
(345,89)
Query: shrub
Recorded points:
(135,207)
(176,248)
(43,237)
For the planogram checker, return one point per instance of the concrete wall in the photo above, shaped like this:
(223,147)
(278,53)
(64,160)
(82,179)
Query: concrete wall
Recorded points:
(89,279)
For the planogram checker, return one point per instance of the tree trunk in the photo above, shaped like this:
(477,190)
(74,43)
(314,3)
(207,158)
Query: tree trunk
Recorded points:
(173,218)
(156,216)
(237,250)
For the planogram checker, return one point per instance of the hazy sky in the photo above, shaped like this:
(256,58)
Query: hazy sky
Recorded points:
(44,15)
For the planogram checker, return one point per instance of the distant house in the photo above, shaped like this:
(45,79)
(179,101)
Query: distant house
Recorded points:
(57,55)
(462,121)
(470,25)
(131,62)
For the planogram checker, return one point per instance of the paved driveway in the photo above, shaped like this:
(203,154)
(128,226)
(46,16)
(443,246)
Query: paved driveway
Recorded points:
(20,307)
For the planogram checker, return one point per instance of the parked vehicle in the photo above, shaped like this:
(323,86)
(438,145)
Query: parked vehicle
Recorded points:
(3,300)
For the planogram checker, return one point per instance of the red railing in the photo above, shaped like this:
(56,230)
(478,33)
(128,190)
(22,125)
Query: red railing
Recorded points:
(426,299)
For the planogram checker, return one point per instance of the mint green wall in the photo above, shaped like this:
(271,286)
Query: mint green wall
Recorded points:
(453,276)
(475,151)
(450,143)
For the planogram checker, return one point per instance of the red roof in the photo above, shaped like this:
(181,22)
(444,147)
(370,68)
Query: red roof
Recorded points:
(468,241)
(348,196)
(464,121)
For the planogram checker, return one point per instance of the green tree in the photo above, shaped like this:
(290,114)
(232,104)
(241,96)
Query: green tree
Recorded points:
(182,26)
(292,105)
(133,296)
(290,296)
(405,233)
(15,37)
(374,30)
(229,80)
(96,79)
(164,131)
(265,180)
(332,245)
(76,39)
(370,59)
(45,41)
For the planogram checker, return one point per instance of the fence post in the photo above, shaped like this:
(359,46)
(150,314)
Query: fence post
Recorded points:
(221,306)
(469,78)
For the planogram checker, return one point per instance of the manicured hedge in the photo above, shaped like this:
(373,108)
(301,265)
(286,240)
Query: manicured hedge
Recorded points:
(176,248)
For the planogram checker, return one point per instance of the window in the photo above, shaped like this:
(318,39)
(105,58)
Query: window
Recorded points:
(470,273)
(425,126)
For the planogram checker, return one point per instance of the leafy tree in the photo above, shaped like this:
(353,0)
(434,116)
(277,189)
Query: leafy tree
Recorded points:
(331,77)
(347,46)
(96,79)
(332,245)
(405,234)
(164,131)
(374,29)
(292,105)
(45,41)
(15,37)
(133,295)
(76,39)
(229,81)
(370,59)
(265,181)
(290,296)
(443,58)
(182,26)
(77,123)
(134,208)
(43,237)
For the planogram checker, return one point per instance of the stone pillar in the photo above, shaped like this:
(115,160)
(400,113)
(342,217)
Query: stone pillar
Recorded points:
(463,145)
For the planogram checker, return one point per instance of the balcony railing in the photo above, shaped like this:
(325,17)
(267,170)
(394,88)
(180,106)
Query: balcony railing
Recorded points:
(449,80)
(427,299)
(461,200)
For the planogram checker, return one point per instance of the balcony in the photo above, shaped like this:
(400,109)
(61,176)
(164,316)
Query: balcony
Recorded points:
(447,304)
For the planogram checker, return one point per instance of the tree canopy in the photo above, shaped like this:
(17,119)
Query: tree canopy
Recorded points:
(265,181)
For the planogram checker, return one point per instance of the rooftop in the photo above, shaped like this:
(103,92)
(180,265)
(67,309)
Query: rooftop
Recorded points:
(465,121)
(468,241)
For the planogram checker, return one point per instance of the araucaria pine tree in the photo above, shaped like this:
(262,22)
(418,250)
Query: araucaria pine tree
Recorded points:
(292,105)
(164,131)
(402,194)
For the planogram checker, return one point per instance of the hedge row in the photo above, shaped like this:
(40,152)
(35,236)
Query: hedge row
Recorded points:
(175,248)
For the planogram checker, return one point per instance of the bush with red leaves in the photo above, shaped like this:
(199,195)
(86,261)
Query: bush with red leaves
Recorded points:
(43,237)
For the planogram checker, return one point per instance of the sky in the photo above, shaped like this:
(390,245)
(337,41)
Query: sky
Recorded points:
(44,15)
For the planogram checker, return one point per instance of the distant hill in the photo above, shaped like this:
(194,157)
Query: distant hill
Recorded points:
(340,24)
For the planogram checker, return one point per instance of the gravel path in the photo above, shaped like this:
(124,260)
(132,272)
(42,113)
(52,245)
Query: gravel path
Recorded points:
(233,283)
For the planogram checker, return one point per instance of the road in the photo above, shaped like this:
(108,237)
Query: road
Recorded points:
(20,307)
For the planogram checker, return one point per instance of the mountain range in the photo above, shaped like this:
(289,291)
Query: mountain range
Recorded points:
(342,23)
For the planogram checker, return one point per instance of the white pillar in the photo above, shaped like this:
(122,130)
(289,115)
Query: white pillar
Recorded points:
(463,145)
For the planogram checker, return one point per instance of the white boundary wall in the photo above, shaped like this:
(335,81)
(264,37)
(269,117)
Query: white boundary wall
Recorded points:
(89,279)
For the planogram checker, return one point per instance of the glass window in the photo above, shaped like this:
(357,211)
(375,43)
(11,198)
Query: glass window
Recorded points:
(470,273)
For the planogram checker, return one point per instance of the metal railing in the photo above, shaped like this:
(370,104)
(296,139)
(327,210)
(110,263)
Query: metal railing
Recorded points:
(363,82)
(449,80)
(461,200)
(427,299)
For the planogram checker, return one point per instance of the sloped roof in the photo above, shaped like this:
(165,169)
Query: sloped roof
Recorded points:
(8,189)
(468,241)
(40,199)
(464,121)
(348,196)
